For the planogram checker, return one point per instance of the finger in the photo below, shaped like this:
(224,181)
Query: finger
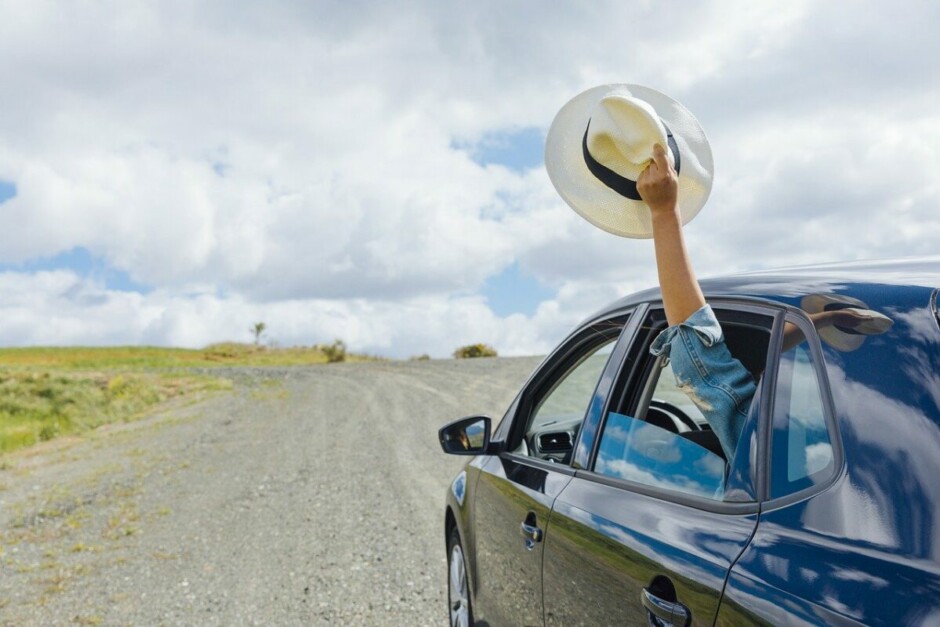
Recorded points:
(648,172)
(659,157)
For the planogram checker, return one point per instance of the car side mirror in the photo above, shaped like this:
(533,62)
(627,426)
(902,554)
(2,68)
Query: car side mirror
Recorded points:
(467,436)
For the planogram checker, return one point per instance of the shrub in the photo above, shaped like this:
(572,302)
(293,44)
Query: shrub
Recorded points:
(335,352)
(474,350)
(49,431)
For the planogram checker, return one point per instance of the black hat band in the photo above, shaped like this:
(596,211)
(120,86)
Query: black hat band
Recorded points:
(620,184)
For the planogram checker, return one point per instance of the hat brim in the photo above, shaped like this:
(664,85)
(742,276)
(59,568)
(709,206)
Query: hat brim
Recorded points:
(601,205)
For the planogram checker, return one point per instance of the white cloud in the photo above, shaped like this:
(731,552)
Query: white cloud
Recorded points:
(296,162)
(61,308)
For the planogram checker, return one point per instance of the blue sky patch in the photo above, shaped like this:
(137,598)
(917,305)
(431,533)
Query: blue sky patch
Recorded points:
(512,291)
(80,261)
(7,190)
(520,149)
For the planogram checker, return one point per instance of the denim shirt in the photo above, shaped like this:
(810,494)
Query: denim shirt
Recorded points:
(719,385)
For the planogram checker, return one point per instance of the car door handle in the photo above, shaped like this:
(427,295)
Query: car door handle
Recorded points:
(531,532)
(673,613)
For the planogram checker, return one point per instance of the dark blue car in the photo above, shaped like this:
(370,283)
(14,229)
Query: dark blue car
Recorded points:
(603,497)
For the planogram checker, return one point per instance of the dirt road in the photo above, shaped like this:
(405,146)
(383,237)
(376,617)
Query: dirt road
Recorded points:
(307,496)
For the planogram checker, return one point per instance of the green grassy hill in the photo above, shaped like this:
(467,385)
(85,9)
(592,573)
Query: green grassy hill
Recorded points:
(48,392)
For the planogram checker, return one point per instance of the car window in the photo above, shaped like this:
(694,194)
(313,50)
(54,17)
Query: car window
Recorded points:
(638,451)
(559,408)
(659,436)
(801,447)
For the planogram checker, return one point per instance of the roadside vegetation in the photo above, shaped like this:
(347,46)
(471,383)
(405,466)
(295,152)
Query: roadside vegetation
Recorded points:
(37,405)
(49,392)
(130,357)
(474,350)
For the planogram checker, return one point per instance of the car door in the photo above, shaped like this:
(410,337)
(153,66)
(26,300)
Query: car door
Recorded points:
(648,527)
(517,487)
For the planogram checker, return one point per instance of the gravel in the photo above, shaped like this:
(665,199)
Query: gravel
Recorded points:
(305,496)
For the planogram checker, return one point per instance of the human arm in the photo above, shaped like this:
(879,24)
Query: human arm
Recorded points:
(704,368)
(846,318)
(658,187)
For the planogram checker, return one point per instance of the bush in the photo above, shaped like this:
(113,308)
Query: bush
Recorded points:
(474,350)
(335,352)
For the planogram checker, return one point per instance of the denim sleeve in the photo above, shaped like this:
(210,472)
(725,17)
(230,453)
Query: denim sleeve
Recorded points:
(719,385)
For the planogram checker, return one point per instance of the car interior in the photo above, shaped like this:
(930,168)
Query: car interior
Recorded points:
(664,405)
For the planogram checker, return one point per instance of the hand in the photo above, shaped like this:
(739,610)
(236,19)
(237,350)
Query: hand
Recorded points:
(658,184)
(846,318)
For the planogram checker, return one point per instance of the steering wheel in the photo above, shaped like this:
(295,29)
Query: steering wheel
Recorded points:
(671,410)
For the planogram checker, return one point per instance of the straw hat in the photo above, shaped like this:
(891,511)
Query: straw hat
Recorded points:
(868,322)
(601,141)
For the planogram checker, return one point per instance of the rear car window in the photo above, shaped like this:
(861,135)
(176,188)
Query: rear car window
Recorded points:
(802,454)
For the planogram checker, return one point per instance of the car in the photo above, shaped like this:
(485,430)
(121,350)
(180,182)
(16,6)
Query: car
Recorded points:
(602,497)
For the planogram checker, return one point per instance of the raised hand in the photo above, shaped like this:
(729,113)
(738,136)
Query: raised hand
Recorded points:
(658,184)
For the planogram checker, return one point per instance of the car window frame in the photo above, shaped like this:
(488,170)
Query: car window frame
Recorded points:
(545,377)
(935,306)
(590,427)
(634,371)
(828,405)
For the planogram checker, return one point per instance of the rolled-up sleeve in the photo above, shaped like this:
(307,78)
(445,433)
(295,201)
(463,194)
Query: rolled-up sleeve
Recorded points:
(719,385)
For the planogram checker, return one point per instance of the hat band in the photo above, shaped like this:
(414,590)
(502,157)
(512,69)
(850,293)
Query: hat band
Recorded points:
(620,184)
(837,307)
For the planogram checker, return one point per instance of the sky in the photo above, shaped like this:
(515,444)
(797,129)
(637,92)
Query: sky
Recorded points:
(172,172)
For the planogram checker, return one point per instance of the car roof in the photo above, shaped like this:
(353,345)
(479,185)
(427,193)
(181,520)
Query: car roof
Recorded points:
(915,278)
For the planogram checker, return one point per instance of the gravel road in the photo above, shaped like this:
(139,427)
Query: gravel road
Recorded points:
(306,496)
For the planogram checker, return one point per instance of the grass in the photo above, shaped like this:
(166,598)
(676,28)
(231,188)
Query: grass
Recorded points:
(48,392)
(39,405)
(130,357)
